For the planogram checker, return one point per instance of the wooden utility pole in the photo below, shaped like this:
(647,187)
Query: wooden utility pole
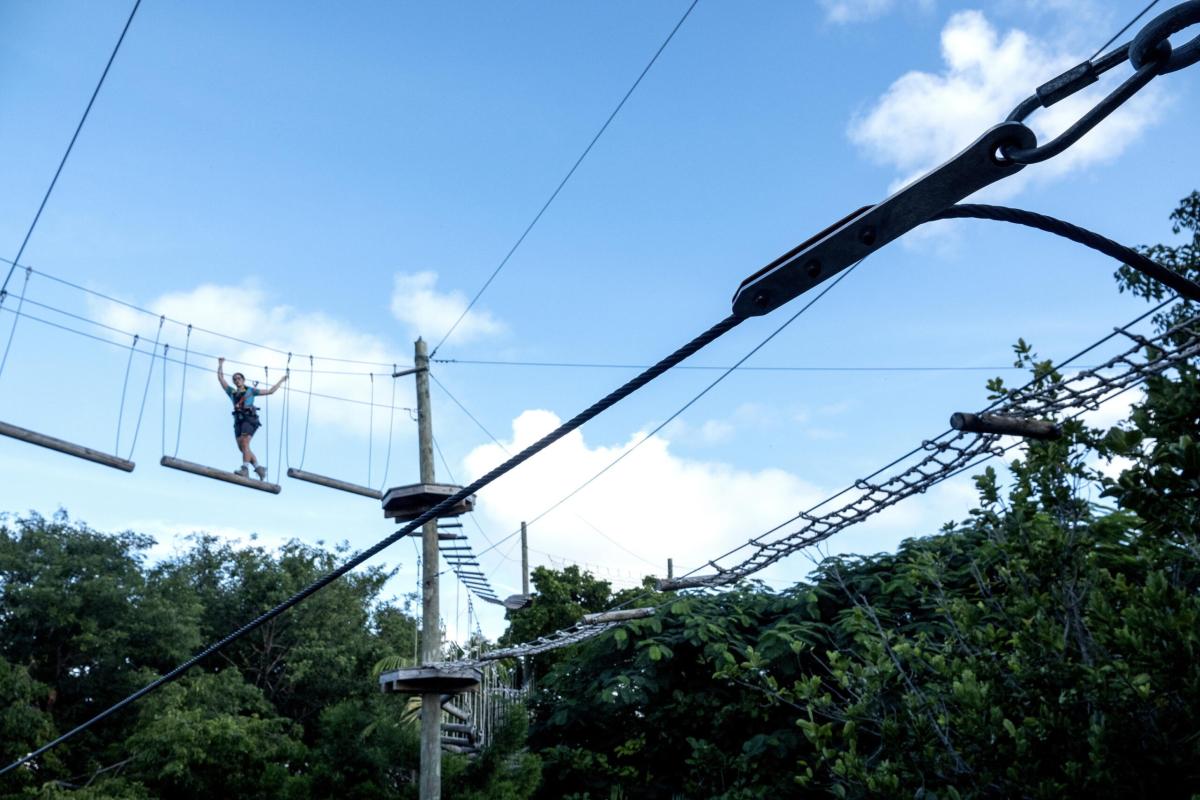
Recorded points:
(431,630)
(524,562)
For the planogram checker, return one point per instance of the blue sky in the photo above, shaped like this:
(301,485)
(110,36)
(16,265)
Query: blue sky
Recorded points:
(337,180)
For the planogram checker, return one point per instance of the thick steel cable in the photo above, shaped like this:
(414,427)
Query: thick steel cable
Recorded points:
(146,391)
(567,177)
(631,386)
(1058,227)
(71,145)
(12,333)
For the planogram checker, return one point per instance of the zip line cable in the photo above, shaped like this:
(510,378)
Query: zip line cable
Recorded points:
(1151,36)
(71,145)
(218,334)
(566,178)
(628,388)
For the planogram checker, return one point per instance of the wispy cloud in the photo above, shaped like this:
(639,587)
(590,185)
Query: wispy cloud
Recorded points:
(430,313)
(924,118)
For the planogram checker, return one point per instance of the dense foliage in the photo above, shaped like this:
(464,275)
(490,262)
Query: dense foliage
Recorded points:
(1046,646)
(291,710)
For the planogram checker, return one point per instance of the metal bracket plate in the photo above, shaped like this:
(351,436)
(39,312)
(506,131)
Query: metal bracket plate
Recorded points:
(868,229)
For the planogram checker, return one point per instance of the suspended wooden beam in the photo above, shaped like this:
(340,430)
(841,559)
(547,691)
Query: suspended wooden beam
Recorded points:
(62,446)
(1006,426)
(334,483)
(218,474)
(454,710)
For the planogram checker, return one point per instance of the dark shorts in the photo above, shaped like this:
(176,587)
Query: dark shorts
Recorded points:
(245,425)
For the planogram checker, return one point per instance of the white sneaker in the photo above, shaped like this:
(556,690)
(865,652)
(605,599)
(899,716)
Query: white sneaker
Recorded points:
(261,472)
(243,471)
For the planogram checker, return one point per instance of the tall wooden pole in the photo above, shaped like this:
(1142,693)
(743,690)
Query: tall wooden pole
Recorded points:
(524,562)
(431,632)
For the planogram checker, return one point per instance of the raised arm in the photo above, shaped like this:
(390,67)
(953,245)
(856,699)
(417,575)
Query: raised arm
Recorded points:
(278,383)
(221,373)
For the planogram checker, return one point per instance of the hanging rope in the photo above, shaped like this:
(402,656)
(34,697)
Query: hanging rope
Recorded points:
(145,392)
(182,387)
(267,413)
(371,428)
(16,316)
(283,422)
(387,461)
(124,388)
(307,413)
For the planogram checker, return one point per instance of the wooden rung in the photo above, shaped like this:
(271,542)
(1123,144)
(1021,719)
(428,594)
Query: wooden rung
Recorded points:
(454,710)
(455,727)
(218,474)
(62,446)
(1005,426)
(334,483)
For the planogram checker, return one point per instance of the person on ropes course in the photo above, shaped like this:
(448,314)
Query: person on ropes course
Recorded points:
(245,416)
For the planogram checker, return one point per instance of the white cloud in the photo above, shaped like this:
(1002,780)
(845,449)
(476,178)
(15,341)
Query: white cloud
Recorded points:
(925,118)
(245,312)
(652,506)
(417,303)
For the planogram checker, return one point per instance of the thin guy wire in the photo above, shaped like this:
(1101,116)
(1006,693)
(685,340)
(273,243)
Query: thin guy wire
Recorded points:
(387,461)
(145,392)
(711,368)
(283,423)
(307,413)
(267,414)
(566,178)
(71,145)
(163,443)
(12,333)
(371,429)
(180,323)
(824,291)
(182,388)
(124,390)
(1128,25)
